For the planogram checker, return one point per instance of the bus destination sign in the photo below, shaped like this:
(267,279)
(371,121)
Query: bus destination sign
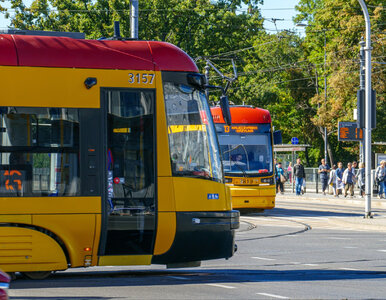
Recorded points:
(349,131)
(240,129)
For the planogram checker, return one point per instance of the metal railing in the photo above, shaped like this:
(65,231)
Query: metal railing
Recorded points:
(313,183)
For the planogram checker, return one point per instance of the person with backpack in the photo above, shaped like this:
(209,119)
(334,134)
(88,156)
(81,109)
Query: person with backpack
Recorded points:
(300,174)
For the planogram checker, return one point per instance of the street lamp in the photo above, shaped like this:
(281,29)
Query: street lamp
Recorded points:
(325,87)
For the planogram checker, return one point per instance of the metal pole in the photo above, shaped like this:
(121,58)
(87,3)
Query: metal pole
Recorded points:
(207,68)
(362,87)
(325,98)
(134,19)
(368,111)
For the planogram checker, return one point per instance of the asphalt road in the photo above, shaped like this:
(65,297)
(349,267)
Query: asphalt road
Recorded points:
(285,253)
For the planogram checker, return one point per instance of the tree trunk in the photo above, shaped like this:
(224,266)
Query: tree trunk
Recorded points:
(330,154)
(329,150)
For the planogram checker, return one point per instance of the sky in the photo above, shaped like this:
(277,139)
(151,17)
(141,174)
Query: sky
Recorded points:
(279,9)
(270,10)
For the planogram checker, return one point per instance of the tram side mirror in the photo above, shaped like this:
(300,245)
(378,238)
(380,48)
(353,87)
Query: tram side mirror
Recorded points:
(226,112)
(277,138)
(196,80)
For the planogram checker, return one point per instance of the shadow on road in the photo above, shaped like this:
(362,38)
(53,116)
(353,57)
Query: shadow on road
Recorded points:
(288,212)
(159,278)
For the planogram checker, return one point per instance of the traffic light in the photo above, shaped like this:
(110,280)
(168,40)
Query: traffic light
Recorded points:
(361,109)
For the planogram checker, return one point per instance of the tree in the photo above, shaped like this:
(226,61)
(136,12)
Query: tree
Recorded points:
(343,24)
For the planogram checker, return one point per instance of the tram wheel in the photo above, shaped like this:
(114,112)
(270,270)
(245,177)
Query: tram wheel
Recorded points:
(39,275)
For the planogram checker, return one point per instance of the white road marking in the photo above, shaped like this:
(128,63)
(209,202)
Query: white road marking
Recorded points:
(348,247)
(221,285)
(338,238)
(310,265)
(178,277)
(349,269)
(295,263)
(262,258)
(381,250)
(272,295)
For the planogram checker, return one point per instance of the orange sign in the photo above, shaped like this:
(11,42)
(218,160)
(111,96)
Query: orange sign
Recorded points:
(343,133)
(9,184)
(244,129)
(349,131)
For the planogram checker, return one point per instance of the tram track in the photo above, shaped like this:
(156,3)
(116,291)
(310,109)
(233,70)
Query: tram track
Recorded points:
(252,226)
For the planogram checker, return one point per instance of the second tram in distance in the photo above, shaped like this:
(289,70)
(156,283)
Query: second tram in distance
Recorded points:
(247,154)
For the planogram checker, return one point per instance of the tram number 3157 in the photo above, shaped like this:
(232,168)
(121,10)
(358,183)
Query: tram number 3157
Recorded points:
(141,78)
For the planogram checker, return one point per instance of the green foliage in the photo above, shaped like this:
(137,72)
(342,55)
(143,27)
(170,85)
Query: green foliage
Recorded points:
(342,23)
(41,160)
(281,72)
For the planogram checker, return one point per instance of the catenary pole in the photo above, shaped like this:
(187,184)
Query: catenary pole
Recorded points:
(362,86)
(134,19)
(368,111)
(325,97)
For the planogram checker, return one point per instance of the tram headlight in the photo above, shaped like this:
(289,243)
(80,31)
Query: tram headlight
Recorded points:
(268,180)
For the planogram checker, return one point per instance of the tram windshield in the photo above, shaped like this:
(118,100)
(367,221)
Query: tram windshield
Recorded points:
(246,153)
(193,145)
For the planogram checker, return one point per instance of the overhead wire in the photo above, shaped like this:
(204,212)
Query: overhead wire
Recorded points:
(292,80)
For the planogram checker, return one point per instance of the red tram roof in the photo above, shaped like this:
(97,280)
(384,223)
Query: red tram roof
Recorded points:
(64,52)
(243,115)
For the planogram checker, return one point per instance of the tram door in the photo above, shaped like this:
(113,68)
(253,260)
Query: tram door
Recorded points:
(130,199)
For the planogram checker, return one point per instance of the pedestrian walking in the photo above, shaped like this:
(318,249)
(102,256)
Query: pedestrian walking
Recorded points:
(380,177)
(332,180)
(275,166)
(300,175)
(360,175)
(349,180)
(339,177)
(280,179)
(324,169)
(289,172)
(355,171)
(354,167)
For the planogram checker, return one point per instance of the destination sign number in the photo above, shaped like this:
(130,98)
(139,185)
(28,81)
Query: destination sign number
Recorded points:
(141,78)
(11,181)
(348,131)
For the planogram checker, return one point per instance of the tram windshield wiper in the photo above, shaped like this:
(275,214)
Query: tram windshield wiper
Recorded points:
(239,167)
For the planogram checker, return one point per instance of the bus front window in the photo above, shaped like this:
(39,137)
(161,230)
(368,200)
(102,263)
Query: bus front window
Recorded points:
(193,146)
(247,154)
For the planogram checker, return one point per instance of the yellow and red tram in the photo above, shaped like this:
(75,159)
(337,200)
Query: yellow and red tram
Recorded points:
(97,162)
(247,155)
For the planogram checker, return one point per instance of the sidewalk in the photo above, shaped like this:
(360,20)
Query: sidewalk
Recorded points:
(377,223)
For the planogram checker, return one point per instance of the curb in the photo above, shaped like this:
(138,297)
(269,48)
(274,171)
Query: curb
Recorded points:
(361,223)
(375,203)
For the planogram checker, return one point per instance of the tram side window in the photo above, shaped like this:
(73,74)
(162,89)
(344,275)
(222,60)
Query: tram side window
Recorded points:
(39,152)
